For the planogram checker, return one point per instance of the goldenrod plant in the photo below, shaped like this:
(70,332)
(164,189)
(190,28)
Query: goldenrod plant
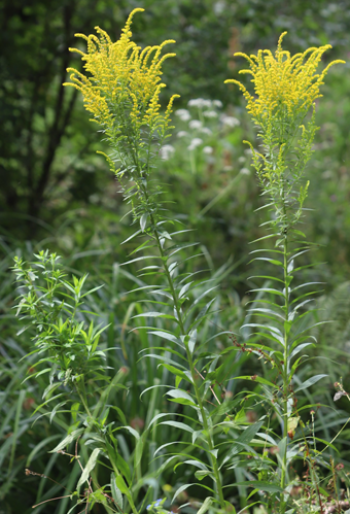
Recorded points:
(285,91)
(123,94)
(121,89)
(225,437)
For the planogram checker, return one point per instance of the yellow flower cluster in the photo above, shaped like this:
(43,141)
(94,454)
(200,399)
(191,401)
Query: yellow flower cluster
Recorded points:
(285,86)
(124,83)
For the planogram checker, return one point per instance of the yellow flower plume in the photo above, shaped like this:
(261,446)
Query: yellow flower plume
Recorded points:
(285,86)
(123,84)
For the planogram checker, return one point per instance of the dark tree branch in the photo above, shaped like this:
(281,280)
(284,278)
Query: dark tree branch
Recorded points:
(60,121)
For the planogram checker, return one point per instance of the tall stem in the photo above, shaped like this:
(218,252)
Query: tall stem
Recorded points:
(285,369)
(183,332)
(193,375)
(190,361)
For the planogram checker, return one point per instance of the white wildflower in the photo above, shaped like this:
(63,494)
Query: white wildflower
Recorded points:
(197,141)
(244,171)
(182,133)
(210,114)
(166,152)
(217,103)
(183,114)
(208,150)
(195,124)
(219,7)
(241,159)
(206,130)
(199,102)
(229,121)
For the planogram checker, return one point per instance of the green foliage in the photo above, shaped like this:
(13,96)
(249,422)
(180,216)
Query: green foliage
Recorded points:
(121,380)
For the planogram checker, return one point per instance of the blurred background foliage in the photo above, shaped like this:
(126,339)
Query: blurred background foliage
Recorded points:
(57,193)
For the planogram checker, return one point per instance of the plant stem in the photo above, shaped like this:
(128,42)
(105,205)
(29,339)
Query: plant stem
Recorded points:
(83,399)
(285,370)
(184,333)
(192,367)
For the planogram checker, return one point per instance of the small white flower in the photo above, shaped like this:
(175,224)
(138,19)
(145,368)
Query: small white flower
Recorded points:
(195,124)
(244,171)
(219,7)
(182,133)
(166,152)
(229,121)
(206,130)
(183,114)
(199,102)
(217,103)
(210,114)
(197,141)
(248,151)
(208,150)
(241,159)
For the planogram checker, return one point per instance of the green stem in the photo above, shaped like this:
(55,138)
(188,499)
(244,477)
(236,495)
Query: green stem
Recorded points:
(132,504)
(83,399)
(189,356)
(192,367)
(285,370)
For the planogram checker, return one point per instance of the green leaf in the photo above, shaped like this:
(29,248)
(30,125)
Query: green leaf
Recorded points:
(143,221)
(267,278)
(262,238)
(180,490)
(91,463)
(267,290)
(144,257)
(116,493)
(250,432)
(138,452)
(131,237)
(155,315)
(256,378)
(120,414)
(178,424)
(200,474)
(271,261)
(267,311)
(299,348)
(37,374)
(206,505)
(184,290)
(120,483)
(165,335)
(310,382)
(182,397)
(131,430)
(67,440)
(245,438)
(177,372)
